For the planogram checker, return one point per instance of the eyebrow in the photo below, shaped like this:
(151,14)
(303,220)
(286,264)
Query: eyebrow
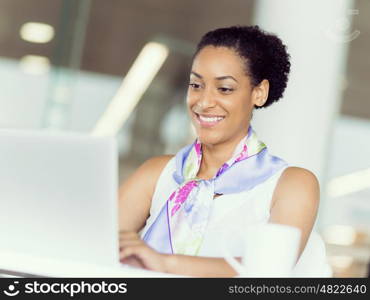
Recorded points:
(217,78)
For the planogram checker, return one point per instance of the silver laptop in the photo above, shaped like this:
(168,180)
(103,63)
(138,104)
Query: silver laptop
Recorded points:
(58,196)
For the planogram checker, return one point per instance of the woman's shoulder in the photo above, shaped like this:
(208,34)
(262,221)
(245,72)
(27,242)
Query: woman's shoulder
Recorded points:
(156,164)
(145,178)
(296,175)
(151,169)
(298,185)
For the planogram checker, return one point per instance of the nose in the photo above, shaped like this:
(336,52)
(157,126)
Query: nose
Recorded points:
(206,99)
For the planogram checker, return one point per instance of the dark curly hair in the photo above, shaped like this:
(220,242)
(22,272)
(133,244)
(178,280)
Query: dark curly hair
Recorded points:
(264,54)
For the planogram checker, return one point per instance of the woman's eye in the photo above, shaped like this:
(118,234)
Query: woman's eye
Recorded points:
(194,85)
(225,90)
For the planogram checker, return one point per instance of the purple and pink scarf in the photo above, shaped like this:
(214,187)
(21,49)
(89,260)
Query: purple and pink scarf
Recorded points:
(181,224)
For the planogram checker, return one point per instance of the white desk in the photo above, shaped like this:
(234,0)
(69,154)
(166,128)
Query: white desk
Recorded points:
(46,267)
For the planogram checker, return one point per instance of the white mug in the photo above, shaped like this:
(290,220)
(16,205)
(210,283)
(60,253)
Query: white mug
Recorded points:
(270,250)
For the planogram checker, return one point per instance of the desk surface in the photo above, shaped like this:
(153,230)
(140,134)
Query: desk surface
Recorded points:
(23,265)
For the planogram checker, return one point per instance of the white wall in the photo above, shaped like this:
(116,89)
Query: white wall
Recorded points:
(299,128)
(23,97)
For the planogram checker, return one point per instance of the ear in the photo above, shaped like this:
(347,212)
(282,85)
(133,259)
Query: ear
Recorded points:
(260,93)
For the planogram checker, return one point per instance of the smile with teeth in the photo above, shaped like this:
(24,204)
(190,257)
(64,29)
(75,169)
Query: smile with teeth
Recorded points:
(209,121)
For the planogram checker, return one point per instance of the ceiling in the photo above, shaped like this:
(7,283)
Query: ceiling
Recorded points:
(106,36)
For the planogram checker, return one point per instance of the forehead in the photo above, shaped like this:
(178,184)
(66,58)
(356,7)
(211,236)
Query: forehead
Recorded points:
(218,61)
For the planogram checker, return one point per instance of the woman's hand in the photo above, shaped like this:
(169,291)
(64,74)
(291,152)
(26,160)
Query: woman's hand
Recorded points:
(134,252)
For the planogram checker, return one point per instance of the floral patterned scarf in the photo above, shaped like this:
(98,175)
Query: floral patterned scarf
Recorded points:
(181,224)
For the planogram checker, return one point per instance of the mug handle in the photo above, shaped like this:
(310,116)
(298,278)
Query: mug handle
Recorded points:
(238,267)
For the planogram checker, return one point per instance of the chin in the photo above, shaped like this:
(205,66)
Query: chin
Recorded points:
(210,138)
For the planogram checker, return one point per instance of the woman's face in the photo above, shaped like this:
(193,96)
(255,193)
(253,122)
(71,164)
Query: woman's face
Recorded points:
(220,98)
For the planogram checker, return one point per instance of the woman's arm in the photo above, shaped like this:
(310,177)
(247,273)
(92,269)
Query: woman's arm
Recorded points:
(135,194)
(295,202)
(135,252)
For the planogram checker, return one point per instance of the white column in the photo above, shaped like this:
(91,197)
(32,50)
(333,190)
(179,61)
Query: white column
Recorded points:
(298,128)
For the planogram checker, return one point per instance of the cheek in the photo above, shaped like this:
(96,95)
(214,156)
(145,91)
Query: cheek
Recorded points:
(189,100)
(239,110)
(189,105)
(237,105)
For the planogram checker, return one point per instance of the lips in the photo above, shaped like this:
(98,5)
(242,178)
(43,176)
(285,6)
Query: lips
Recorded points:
(208,120)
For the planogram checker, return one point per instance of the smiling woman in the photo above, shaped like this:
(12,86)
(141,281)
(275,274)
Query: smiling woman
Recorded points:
(220,94)
(197,203)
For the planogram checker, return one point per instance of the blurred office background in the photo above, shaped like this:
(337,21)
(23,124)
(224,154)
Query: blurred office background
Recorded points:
(122,66)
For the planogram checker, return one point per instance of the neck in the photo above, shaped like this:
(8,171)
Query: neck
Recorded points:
(214,156)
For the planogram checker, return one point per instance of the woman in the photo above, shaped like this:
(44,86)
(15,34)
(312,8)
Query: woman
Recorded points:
(198,200)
